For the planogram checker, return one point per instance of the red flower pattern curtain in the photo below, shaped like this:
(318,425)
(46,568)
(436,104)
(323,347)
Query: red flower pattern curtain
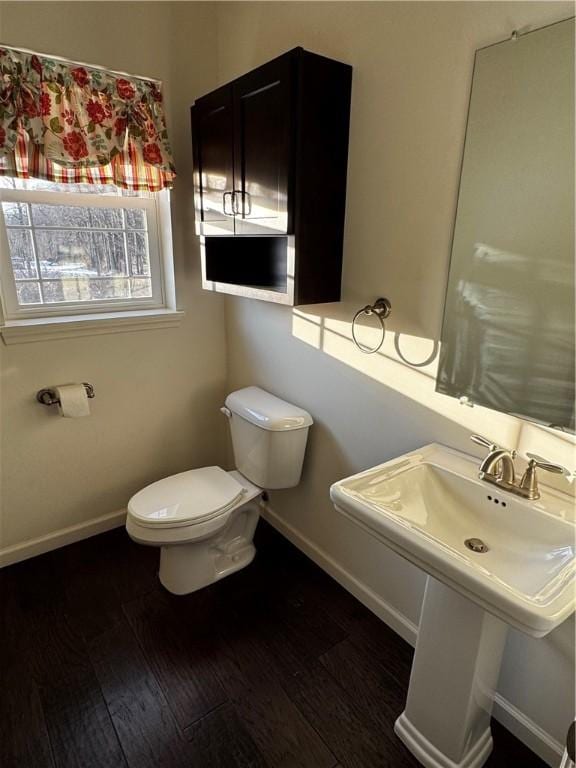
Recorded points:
(77,124)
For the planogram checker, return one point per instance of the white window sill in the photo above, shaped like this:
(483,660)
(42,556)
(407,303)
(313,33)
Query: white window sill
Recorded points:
(46,328)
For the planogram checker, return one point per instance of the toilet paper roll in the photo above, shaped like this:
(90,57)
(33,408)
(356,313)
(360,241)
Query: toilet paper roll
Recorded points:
(73,400)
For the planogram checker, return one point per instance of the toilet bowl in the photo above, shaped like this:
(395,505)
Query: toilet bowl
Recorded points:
(204,520)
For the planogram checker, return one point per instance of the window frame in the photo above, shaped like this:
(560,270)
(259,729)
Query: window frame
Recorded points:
(156,206)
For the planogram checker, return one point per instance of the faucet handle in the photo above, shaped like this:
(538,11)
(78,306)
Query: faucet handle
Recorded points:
(538,461)
(483,441)
(489,444)
(529,482)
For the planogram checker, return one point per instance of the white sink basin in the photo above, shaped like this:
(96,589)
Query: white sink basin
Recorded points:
(426,504)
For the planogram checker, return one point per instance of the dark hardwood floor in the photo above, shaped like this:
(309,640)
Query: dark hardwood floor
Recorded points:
(274,667)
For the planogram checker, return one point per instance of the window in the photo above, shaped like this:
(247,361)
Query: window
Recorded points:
(70,249)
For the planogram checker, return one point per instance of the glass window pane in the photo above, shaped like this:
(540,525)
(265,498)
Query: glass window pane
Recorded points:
(28,293)
(116,288)
(141,287)
(85,289)
(111,251)
(15,214)
(21,253)
(71,253)
(138,253)
(76,216)
(54,291)
(135,218)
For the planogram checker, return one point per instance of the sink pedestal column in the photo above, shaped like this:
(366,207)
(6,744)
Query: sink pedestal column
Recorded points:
(446,723)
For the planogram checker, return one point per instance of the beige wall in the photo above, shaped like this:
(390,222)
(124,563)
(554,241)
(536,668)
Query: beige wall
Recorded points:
(412,71)
(157,391)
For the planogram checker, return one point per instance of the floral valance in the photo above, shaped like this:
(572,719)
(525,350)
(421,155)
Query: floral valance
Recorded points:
(73,123)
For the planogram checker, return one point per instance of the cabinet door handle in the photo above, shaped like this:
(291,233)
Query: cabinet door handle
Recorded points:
(246,210)
(231,211)
(235,207)
(245,197)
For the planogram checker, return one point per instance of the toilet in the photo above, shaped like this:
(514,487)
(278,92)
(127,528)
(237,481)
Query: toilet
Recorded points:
(204,520)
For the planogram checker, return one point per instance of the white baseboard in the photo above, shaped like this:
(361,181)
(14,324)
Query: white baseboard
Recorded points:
(525,730)
(42,544)
(528,732)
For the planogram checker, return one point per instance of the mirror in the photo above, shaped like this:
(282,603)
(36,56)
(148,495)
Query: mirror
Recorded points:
(508,331)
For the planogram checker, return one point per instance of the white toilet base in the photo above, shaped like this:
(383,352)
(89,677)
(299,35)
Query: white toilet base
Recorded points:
(187,567)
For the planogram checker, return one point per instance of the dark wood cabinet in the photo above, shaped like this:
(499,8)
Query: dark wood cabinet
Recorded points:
(262,149)
(213,130)
(270,159)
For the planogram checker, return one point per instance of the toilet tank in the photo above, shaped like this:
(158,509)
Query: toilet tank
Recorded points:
(268,436)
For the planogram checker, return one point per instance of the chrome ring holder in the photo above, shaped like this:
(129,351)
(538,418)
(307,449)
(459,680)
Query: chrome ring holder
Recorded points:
(49,397)
(381,308)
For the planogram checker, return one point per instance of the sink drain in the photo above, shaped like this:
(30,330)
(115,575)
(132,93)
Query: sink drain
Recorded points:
(476,545)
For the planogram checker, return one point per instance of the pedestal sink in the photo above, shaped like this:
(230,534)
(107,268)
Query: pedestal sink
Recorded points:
(494,560)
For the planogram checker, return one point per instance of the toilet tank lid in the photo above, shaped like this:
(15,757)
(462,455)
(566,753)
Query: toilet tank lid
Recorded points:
(267,411)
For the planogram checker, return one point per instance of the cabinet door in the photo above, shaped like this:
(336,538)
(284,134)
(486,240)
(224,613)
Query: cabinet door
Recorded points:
(262,148)
(213,131)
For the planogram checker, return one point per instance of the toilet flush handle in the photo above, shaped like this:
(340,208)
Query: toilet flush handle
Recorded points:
(226,411)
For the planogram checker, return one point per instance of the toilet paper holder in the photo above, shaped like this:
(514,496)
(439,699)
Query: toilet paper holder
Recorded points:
(48,396)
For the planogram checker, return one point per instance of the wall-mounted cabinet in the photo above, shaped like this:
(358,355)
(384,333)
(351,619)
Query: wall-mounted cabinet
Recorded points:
(270,158)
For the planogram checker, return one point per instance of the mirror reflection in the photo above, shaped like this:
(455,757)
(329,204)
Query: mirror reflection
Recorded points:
(508,333)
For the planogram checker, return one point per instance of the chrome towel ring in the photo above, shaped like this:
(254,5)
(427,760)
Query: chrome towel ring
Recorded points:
(381,308)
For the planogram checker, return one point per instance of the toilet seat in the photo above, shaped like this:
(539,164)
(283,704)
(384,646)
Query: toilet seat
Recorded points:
(189,498)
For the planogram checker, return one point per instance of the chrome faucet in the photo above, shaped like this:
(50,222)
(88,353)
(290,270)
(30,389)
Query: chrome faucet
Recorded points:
(499,464)
(498,468)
